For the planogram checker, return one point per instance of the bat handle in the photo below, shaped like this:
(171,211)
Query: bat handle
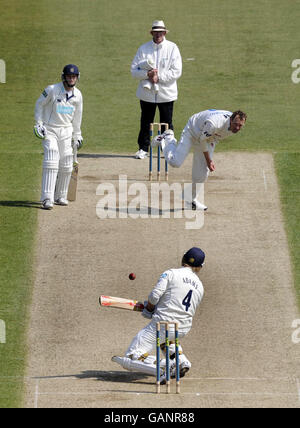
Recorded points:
(75,161)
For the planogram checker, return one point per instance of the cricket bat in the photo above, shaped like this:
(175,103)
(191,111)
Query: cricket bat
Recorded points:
(74,177)
(120,303)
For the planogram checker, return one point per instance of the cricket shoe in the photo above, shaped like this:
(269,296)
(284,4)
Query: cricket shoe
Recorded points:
(117,359)
(141,154)
(62,201)
(183,369)
(159,139)
(195,205)
(47,204)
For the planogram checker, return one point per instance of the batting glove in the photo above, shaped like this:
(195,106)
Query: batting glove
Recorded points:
(40,131)
(78,142)
(147,314)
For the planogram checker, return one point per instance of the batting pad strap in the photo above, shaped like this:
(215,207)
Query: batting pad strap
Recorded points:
(51,159)
(50,164)
(143,357)
(66,164)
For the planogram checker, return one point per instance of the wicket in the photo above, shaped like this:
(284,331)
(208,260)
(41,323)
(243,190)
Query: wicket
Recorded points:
(167,344)
(159,125)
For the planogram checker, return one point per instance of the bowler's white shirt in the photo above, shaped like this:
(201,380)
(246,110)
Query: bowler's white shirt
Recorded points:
(210,126)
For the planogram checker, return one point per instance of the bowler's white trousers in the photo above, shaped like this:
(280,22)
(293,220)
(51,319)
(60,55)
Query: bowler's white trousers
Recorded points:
(57,163)
(176,154)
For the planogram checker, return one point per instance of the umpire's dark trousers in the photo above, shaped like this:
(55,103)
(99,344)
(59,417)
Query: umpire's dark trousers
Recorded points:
(147,117)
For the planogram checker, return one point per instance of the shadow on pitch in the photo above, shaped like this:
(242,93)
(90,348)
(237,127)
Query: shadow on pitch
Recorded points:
(113,376)
(104,156)
(104,376)
(145,211)
(20,204)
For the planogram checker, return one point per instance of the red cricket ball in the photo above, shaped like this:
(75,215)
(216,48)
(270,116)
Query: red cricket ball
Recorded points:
(132,276)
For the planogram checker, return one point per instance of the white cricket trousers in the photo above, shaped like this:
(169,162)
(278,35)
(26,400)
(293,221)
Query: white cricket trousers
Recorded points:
(145,341)
(57,163)
(176,154)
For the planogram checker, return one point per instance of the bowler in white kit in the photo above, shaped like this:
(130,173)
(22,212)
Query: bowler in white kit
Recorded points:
(202,133)
(58,115)
(174,298)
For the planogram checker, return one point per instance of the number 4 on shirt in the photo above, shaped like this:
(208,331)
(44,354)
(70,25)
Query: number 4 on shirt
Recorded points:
(187,300)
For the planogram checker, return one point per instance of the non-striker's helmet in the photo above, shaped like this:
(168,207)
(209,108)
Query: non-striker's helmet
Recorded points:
(70,69)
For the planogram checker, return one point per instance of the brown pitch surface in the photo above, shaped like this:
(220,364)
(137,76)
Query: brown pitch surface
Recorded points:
(240,345)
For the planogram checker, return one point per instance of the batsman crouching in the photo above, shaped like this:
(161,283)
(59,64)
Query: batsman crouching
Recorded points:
(58,115)
(175,298)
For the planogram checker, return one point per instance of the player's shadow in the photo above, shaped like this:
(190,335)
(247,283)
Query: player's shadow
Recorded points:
(20,204)
(113,376)
(146,211)
(104,156)
(104,376)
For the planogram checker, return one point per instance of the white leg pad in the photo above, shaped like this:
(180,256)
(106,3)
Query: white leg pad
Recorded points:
(50,168)
(51,156)
(62,185)
(48,184)
(148,368)
(63,177)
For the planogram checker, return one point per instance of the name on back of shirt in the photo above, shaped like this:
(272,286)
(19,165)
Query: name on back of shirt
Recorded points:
(190,282)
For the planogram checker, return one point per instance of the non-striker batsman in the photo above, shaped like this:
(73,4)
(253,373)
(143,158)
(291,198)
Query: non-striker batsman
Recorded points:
(58,115)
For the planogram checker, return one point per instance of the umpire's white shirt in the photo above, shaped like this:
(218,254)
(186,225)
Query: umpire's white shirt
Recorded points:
(177,295)
(57,108)
(167,60)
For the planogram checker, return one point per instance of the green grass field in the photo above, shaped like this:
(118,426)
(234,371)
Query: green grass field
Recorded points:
(235,54)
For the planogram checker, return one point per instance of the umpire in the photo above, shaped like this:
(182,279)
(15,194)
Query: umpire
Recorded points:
(157,65)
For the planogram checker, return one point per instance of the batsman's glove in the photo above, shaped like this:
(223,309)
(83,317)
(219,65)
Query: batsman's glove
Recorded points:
(147,314)
(78,142)
(39,131)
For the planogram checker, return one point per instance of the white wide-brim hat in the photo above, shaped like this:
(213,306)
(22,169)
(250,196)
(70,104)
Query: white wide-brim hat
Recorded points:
(158,26)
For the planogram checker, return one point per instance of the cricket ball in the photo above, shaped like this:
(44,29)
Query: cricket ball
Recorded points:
(132,276)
